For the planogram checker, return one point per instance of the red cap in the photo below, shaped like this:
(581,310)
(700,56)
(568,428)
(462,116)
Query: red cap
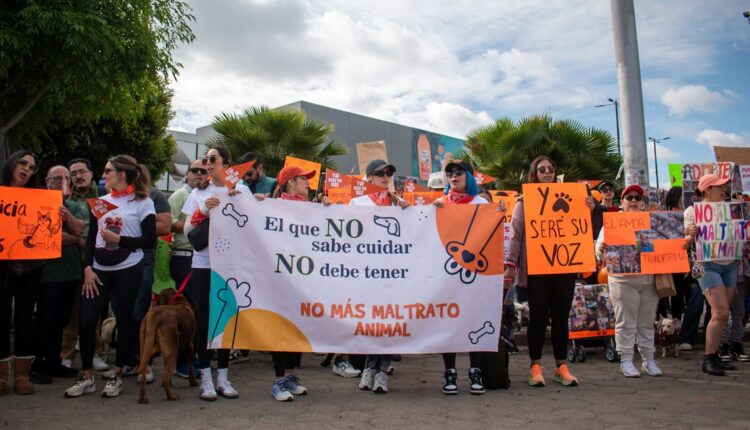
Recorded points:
(290,172)
(635,187)
(710,180)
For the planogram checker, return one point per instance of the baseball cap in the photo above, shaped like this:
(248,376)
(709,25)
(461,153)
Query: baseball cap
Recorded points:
(710,180)
(290,172)
(635,187)
(459,164)
(376,165)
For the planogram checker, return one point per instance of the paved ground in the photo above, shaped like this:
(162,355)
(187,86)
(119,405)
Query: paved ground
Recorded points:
(683,398)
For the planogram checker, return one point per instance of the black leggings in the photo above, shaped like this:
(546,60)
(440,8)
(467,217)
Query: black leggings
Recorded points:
(449,360)
(21,291)
(283,361)
(550,297)
(121,287)
(200,285)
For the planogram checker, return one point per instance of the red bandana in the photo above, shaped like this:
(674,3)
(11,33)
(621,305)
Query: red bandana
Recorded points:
(297,197)
(126,192)
(381,198)
(455,198)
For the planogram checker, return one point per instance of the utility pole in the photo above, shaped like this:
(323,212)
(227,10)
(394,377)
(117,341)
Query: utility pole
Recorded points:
(616,104)
(634,151)
(656,160)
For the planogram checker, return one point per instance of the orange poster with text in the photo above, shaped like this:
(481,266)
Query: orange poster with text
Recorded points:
(420,198)
(30,224)
(558,229)
(621,226)
(305,165)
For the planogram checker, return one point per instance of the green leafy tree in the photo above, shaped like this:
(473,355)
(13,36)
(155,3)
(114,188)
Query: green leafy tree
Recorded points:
(274,134)
(73,62)
(505,150)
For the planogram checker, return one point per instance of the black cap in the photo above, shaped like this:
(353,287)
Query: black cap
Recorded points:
(376,165)
(605,184)
(460,164)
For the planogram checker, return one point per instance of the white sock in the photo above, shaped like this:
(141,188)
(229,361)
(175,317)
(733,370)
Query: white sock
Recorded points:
(206,374)
(221,375)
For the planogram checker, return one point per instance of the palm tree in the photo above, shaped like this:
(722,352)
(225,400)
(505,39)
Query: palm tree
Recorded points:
(274,134)
(505,150)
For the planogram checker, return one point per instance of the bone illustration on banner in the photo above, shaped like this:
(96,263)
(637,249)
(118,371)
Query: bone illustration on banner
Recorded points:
(391,225)
(231,212)
(487,328)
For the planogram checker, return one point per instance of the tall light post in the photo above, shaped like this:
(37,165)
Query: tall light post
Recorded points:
(616,104)
(656,161)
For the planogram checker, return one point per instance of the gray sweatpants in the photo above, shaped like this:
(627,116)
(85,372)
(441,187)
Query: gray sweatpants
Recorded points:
(634,300)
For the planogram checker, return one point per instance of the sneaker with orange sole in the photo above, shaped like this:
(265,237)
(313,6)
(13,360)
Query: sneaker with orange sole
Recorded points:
(535,376)
(563,376)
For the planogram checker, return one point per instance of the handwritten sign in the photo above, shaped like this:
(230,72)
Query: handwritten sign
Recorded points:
(306,166)
(645,243)
(30,224)
(691,175)
(721,231)
(558,229)
(591,314)
(745,179)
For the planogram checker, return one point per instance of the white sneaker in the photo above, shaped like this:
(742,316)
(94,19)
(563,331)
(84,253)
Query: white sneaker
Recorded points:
(113,387)
(651,367)
(66,362)
(81,386)
(225,389)
(99,363)
(686,347)
(345,369)
(368,379)
(208,392)
(280,392)
(628,369)
(294,385)
(149,375)
(381,383)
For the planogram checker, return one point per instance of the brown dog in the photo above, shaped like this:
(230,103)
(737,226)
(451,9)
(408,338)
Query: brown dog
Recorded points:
(171,326)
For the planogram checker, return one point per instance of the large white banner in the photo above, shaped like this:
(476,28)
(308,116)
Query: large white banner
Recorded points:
(298,276)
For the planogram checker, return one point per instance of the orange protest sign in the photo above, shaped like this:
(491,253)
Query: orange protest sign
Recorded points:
(669,256)
(412,186)
(233,174)
(558,229)
(30,224)
(483,178)
(591,312)
(100,206)
(473,235)
(305,165)
(620,227)
(339,196)
(419,198)
(360,187)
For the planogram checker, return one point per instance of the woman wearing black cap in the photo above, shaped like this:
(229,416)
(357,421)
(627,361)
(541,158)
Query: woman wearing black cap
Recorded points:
(380,173)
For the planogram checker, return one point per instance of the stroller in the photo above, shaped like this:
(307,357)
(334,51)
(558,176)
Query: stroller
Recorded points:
(591,322)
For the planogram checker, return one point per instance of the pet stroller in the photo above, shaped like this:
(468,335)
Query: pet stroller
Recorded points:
(591,322)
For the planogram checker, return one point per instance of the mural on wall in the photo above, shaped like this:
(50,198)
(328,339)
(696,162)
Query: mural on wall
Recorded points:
(429,151)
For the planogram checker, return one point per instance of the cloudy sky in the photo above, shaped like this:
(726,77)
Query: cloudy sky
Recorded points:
(453,66)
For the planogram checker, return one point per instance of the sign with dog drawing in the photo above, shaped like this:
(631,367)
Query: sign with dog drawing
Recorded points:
(296,276)
(645,243)
(30,224)
(722,231)
(558,229)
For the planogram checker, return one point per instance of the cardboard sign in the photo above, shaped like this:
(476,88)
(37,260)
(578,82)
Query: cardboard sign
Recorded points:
(558,229)
(307,166)
(483,178)
(591,314)
(722,231)
(30,224)
(368,151)
(645,243)
(234,174)
(100,207)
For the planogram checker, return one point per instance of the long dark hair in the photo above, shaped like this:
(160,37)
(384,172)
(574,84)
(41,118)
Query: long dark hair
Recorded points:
(533,177)
(10,165)
(135,174)
(673,197)
(226,156)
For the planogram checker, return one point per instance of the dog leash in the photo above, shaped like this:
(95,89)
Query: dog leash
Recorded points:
(179,291)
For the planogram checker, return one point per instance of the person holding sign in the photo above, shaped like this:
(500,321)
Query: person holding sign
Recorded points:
(634,299)
(114,268)
(380,173)
(550,296)
(197,208)
(718,280)
(18,288)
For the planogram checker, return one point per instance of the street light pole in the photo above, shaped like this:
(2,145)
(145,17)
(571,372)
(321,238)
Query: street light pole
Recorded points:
(616,104)
(656,161)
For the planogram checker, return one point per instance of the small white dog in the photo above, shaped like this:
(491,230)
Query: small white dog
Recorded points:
(668,335)
(522,315)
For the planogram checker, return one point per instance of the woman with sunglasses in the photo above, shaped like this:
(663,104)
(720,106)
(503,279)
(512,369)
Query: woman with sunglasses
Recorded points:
(635,300)
(198,209)
(18,288)
(380,173)
(114,268)
(719,280)
(461,189)
(550,296)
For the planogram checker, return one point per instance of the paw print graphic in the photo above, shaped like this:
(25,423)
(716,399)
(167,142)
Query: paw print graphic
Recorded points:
(221,245)
(562,203)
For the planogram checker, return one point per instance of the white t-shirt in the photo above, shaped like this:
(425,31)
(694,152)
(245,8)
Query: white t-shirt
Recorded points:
(196,200)
(126,221)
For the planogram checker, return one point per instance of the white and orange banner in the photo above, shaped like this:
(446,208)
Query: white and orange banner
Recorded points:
(298,276)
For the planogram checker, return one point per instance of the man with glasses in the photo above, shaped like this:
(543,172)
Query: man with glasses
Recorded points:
(81,189)
(258,182)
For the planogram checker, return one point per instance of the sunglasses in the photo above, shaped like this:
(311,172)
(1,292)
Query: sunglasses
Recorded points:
(210,160)
(545,169)
(454,172)
(198,171)
(606,190)
(631,198)
(107,170)
(382,173)
(27,164)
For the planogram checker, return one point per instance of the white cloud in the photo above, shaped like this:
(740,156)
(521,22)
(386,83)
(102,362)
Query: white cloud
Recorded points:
(693,98)
(665,154)
(719,138)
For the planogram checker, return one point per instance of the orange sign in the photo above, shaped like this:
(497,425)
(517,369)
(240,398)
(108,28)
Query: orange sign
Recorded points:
(483,178)
(100,206)
(412,186)
(233,174)
(422,197)
(558,229)
(341,188)
(30,224)
(305,165)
